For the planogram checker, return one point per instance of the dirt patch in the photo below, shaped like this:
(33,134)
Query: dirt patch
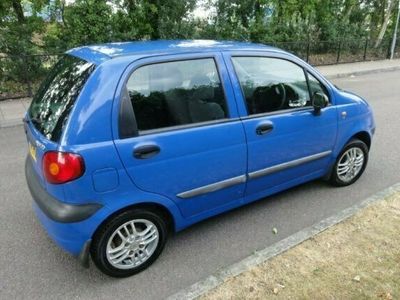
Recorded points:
(357,259)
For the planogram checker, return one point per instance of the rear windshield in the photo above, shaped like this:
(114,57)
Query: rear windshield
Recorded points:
(57,94)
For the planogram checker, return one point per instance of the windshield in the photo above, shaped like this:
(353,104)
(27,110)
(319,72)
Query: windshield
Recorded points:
(57,94)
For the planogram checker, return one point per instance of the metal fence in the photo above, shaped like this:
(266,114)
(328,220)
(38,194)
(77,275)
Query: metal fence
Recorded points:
(20,75)
(319,53)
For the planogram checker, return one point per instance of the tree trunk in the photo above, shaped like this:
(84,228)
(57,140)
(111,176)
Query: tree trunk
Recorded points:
(62,10)
(16,4)
(385,23)
(279,12)
(153,17)
(130,5)
(257,11)
(349,10)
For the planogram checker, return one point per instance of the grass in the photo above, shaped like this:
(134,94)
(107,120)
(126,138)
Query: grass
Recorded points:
(356,259)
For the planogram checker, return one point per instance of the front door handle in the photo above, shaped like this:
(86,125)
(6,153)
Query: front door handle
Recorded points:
(264,128)
(146,151)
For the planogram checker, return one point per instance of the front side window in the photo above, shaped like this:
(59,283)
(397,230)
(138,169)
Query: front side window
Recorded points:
(316,86)
(271,84)
(176,93)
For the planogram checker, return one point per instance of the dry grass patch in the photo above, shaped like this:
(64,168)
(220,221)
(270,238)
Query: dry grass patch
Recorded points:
(356,259)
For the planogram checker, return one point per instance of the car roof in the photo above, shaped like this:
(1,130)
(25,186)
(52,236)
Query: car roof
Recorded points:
(103,52)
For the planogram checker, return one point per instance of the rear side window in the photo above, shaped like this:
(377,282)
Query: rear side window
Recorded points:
(176,93)
(56,96)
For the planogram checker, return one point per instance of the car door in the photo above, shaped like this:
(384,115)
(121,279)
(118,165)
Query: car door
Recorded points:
(187,142)
(288,143)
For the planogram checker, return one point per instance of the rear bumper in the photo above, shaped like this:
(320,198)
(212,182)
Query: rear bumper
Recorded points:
(71,237)
(70,226)
(53,208)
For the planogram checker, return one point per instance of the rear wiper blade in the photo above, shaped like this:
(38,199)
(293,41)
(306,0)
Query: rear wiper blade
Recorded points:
(35,121)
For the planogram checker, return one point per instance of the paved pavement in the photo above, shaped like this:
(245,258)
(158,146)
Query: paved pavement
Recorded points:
(359,68)
(31,266)
(12,111)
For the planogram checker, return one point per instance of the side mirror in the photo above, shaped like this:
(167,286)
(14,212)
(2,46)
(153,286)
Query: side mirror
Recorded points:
(319,101)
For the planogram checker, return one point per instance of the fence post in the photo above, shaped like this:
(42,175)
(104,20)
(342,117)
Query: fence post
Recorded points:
(365,49)
(339,50)
(308,49)
(27,81)
(397,48)
(389,49)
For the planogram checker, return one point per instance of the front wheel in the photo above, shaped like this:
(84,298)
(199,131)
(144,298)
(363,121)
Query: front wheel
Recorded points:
(350,163)
(129,243)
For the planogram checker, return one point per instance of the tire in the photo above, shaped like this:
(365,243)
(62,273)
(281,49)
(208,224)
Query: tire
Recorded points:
(354,146)
(107,239)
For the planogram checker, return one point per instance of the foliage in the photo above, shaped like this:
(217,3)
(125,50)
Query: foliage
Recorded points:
(33,26)
(295,20)
(151,19)
(85,22)
(52,26)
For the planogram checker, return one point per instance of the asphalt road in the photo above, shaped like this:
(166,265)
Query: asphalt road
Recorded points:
(31,266)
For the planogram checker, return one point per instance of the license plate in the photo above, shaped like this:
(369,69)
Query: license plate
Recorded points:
(32,151)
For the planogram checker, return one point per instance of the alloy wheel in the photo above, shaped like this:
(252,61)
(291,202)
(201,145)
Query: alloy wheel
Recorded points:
(350,164)
(131,244)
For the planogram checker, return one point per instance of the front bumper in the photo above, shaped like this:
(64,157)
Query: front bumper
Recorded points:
(70,226)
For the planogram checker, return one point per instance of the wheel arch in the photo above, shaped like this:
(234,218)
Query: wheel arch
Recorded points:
(358,137)
(154,207)
(362,136)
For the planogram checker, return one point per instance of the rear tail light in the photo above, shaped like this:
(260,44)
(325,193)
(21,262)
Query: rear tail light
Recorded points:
(61,167)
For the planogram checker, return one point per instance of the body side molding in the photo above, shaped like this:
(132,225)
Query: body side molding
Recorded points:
(289,164)
(252,175)
(213,187)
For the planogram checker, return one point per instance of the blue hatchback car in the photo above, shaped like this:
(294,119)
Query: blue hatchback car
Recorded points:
(131,141)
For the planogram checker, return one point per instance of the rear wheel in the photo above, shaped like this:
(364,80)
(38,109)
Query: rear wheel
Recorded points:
(129,242)
(350,163)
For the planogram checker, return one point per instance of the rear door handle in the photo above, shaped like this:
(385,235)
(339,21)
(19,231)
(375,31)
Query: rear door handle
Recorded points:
(264,128)
(146,151)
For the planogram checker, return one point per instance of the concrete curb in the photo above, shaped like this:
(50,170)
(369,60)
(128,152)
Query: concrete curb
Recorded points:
(212,281)
(359,73)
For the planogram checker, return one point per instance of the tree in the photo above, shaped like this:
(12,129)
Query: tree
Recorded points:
(387,13)
(18,30)
(89,21)
(152,19)
(85,22)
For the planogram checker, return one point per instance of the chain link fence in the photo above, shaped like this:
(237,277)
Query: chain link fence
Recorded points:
(20,75)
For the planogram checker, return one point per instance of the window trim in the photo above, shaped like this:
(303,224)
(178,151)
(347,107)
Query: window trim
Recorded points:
(126,117)
(308,85)
(278,112)
(307,73)
(188,126)
(281,111)
(161,60)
